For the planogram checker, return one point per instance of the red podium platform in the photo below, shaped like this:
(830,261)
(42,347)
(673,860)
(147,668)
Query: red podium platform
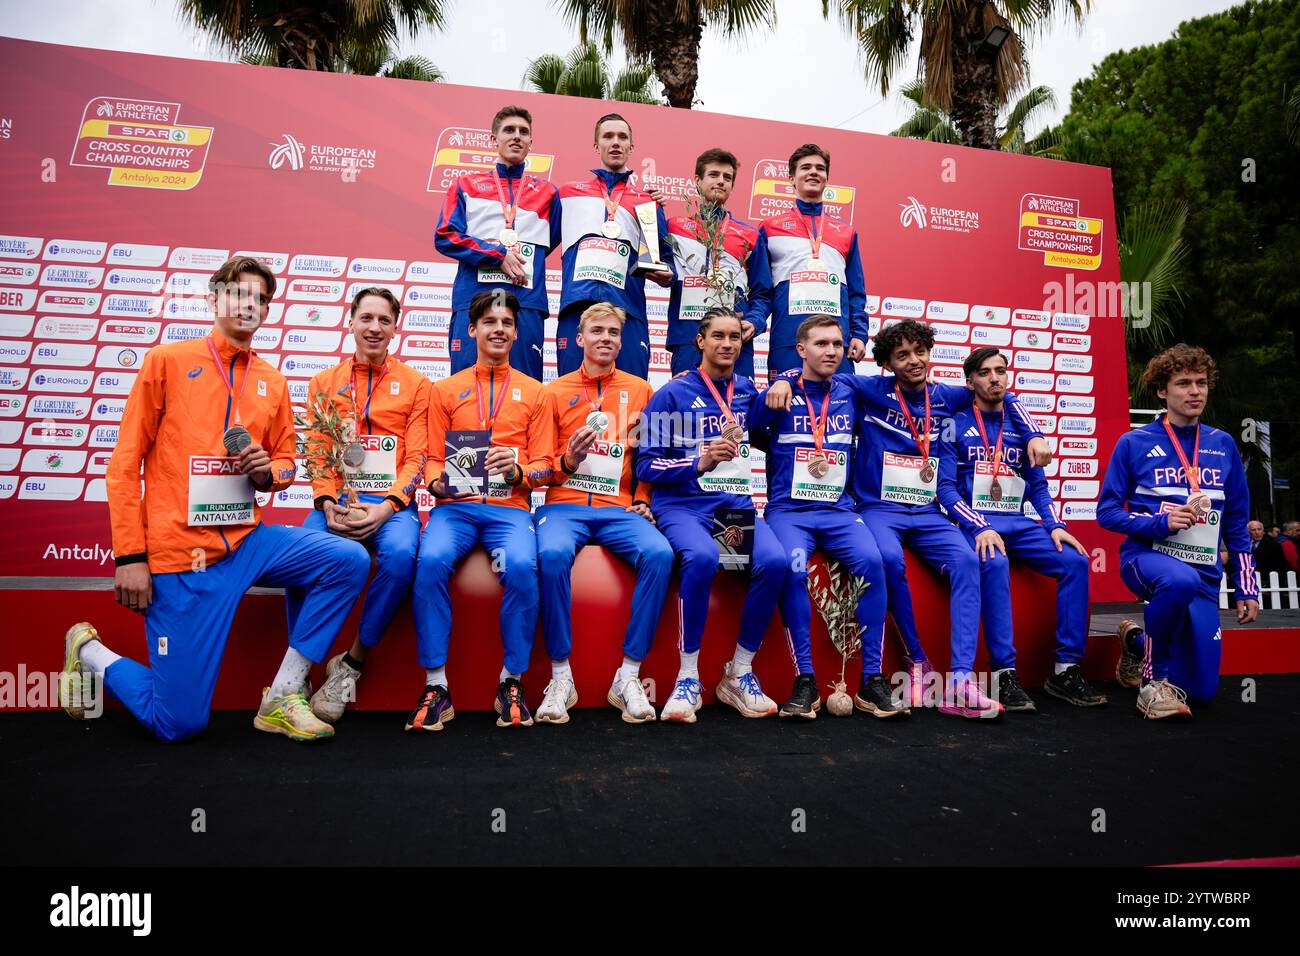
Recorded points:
(36,619)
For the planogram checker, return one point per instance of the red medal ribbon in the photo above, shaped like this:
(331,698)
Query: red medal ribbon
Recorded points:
(595,406)
(731,390)
(818,424)
(922,445)
(1192,470)
(814,239)
(992,454)
(230,385)
(508,210)
(612,200)
(352,380)
(492,411)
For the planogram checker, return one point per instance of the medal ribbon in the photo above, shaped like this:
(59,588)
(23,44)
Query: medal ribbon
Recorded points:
(814,238)
(508,209)
(352,379)
(818,424)
(595,406)
(923,446)
(731,390)
(1192,470)
(992,454)
(612,200)
(230,385)
(493,411)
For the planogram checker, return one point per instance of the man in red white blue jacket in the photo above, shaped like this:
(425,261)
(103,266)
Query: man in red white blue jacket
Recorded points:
(815,267)
(500,225)
(741,266)
(602,237)
(1176,489)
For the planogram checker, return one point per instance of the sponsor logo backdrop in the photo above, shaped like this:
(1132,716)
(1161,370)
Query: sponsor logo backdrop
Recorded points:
(129,178)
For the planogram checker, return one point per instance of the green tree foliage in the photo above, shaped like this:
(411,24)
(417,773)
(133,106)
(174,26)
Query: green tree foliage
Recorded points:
(584,72)
(1206,121)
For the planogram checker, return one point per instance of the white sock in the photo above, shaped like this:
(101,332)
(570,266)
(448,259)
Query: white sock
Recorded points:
(742,662)
(505,673)
(560,669)
(631,670)
(1062,668)
(690,666)
(97,657)
(291,676)
(436,677)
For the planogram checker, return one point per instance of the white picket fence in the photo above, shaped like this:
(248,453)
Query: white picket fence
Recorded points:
(1275,595)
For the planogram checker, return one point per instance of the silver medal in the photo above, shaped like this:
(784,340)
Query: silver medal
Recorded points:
(598,421)
(354,454)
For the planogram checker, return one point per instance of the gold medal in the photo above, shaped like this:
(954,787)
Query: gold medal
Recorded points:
(927,472)
(816,264)
(508,237)
(818,467)
(610,229)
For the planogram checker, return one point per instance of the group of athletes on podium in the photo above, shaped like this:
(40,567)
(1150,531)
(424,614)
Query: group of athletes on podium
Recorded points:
(858,467)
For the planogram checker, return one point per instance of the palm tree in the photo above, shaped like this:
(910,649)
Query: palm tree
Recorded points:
(666,34)
(370,62)
(929,122)
(584,72)
(310,36)
(964,83)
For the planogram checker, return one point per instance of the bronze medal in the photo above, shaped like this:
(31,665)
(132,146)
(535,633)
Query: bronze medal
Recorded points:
(818,467)
(995,490)
(732,432)
(1200,503)
(927,472)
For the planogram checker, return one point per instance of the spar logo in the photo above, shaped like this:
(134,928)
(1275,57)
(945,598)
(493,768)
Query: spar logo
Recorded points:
(913,213)
(289,151)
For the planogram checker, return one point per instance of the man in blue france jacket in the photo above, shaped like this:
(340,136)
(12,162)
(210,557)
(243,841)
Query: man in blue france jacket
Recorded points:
(1176,489)
(809,452)
(894,482)
(985,480)
(694,451)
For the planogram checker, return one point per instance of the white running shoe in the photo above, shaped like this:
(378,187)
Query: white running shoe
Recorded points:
(339,690)
(559,696)
(629,697)
(684,702)
(744,693)
(1159,698)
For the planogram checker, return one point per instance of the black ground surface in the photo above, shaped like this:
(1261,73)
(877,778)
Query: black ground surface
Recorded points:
(932,789)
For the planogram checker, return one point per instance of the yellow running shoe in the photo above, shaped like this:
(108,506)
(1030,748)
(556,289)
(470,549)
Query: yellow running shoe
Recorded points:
(290,715)
(72,684)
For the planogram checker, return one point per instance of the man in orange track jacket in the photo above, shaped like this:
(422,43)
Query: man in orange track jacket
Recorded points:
(386,405)
(597,412)
(212,424)
(516,410)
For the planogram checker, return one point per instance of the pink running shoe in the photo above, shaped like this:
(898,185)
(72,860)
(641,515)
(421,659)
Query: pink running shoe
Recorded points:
(965,699)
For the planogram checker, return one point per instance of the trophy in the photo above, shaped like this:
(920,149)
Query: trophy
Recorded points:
(647,214)
(837,603)
(330,449)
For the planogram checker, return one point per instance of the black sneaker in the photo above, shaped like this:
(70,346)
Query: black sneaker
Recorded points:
(875,697)
(510,705)
(433,710)
(804,700)
(1070,687)
(1008,692)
